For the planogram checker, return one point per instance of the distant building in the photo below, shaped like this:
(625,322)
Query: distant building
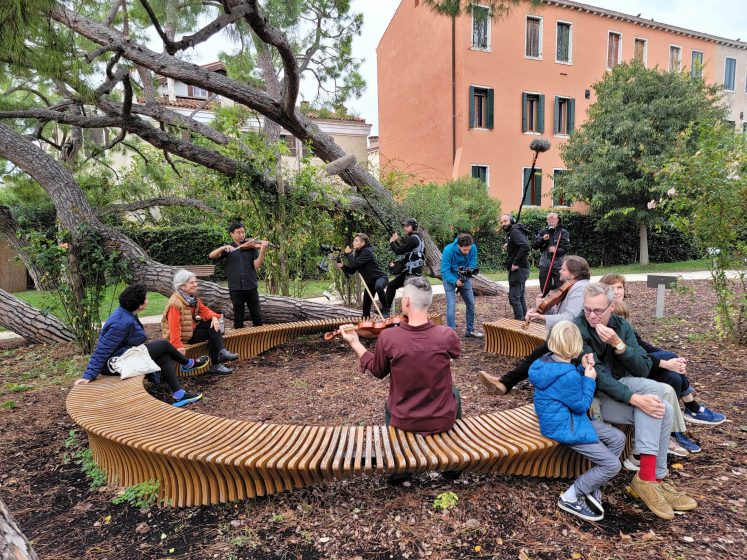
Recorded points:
(524,76)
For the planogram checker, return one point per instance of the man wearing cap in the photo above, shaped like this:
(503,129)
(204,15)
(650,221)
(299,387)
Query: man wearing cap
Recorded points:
(412,257)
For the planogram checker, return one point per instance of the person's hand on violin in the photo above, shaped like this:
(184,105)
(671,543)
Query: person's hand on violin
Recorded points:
(228,249)
(534,316)
(349,334)
(394,237)
(264,244)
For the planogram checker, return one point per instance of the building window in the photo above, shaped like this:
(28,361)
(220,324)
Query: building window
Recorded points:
(675,58)
(563,50)
(481,172)
(480,107)
(731,124)
(730,71)
(640,50)
(614,49)
(533,195)
(564,115)
(696,64)
(194,91)
(744,128)
(480,27)
(532,112)
(534,38)
(557,198)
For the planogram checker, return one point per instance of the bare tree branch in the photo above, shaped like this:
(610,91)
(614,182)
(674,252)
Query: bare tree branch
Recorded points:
(161,201)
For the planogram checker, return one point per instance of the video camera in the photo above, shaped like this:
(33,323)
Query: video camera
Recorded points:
(326,251)
(467,272)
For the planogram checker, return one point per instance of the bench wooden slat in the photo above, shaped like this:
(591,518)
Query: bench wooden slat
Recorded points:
(199,270)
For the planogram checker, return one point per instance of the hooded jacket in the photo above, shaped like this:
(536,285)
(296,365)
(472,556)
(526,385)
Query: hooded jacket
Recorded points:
(121,331)
(452,258)
(518,247)
(363,261)
(562,396)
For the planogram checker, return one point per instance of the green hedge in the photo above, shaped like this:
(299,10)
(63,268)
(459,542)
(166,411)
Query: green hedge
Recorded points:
(180,245)
(601,246)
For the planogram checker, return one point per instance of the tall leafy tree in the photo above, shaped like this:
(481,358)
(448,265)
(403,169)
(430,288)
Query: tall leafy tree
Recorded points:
(631,131)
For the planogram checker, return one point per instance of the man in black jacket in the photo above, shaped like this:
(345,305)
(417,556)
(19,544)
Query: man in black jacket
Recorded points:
(553,240)
(361,259)
(412,257)
(517,264)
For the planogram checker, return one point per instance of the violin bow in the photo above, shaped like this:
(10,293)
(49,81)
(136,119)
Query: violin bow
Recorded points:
(552,261)
(371,296)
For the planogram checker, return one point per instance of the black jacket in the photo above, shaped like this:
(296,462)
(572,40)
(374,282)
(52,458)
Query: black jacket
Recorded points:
(518,247)
(563,247)
(409,244)
(363,261)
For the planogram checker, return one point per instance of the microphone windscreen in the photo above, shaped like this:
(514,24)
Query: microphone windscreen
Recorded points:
(337,166)
(539,145)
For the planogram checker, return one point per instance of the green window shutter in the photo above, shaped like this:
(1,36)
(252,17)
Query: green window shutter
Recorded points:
(472,106)
(571,114)
(475,172)
(556,116)
(537,187)
(490,108)
(541,115)
(523,112)
(524,185)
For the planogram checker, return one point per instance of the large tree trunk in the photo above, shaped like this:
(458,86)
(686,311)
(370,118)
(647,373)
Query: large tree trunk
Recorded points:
(13,543)
(30,323)
(281,111)
(643,238)
(73,209)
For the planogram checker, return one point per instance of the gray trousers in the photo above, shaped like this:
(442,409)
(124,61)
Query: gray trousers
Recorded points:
(651,434)
(605,456)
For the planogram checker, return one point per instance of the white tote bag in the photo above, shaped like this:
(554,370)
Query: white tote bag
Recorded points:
(135,361)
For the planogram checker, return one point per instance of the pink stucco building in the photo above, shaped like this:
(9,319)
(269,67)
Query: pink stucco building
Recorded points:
(467,97)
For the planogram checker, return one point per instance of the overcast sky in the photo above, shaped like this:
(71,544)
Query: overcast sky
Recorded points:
(725,18)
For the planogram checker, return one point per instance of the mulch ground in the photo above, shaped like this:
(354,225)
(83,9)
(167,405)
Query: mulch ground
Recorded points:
(310,381)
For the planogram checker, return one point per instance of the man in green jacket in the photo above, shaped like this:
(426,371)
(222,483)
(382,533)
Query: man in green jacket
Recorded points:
(626,396)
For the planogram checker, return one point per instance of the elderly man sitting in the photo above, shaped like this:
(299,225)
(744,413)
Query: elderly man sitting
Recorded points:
(186,320)
(627,397)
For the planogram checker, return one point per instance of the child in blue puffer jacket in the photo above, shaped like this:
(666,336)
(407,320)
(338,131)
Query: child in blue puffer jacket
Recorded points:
(562,396)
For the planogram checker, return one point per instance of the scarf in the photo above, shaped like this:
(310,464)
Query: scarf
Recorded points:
(191,300)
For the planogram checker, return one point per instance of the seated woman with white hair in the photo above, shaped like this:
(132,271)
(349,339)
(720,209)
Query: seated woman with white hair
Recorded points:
(186,320)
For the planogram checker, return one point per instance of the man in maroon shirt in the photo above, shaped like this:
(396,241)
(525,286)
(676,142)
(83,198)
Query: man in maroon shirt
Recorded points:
(417,356)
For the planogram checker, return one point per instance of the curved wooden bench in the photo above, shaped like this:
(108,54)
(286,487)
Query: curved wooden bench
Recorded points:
(510,337)
(202,459)
(252,341)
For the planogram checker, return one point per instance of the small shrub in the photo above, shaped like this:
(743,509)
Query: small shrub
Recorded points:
(10,404)
(96,476)
(143,494)
(19,387)
(445,501)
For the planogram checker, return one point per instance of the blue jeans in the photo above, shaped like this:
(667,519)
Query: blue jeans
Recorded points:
(469,300)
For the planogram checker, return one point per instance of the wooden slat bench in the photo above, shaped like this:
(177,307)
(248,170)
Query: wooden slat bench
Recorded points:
(510,338)
(202,459)
(200,270)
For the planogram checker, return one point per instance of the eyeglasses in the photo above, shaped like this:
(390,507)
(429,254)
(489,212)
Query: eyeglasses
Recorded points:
(596,312)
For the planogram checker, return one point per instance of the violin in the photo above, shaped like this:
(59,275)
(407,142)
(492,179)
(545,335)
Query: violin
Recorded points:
(257,243)
(553,298)
(370,328)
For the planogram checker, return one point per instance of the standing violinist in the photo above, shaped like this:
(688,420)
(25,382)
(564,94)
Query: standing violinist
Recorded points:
(574,269)
(554,241)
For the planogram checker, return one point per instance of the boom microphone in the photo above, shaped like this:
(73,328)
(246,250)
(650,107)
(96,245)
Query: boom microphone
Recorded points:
(539,145)
(337,166)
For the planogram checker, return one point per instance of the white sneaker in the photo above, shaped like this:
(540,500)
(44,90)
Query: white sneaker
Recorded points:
(676,449)
(632,464)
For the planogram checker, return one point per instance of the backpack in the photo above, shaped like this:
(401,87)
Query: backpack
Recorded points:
(415,259)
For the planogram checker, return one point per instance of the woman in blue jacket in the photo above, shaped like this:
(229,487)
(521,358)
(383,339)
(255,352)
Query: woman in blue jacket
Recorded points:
(458,262)
(123,330)
(562,397)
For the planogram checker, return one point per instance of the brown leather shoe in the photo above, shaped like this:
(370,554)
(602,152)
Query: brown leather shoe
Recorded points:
(493,383)
(678,500)
(652,495)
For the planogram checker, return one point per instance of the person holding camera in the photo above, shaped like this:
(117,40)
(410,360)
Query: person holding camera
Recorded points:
(361,259)
(411,252)
(458,265)
(517,264)
(554,241)
(243,258)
